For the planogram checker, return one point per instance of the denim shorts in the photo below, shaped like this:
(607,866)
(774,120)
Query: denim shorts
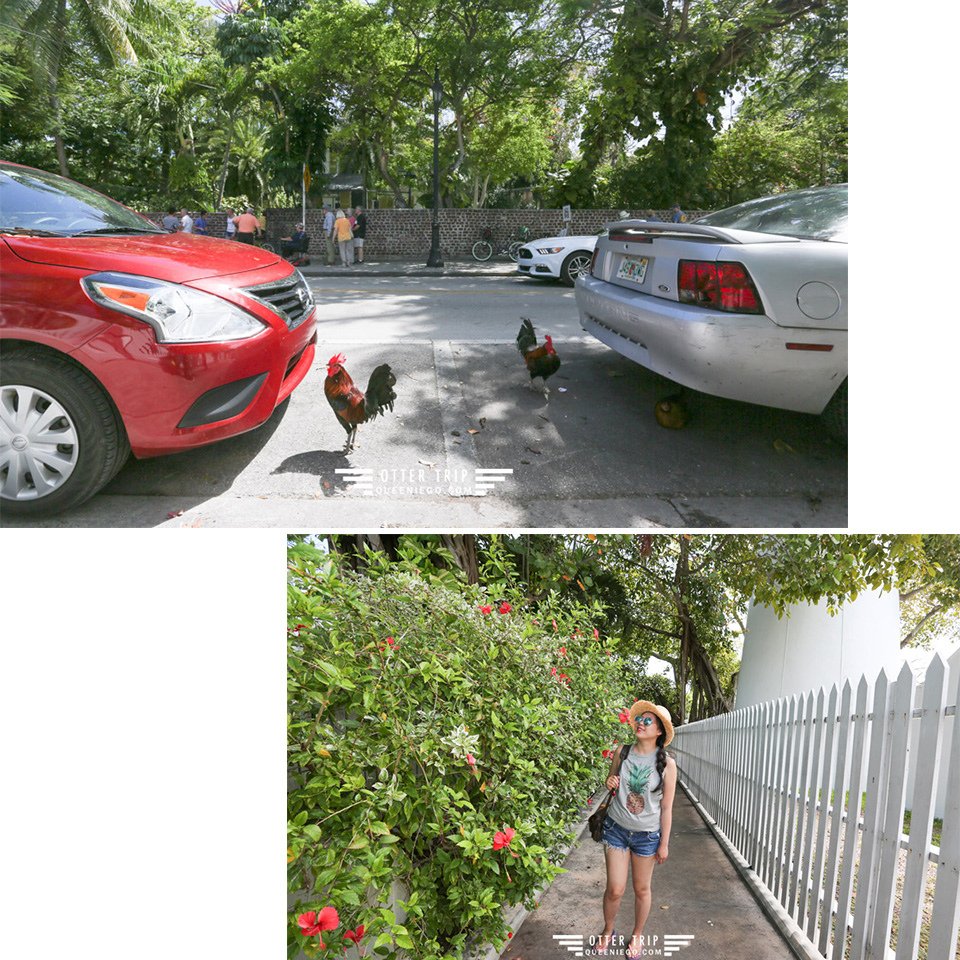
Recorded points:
(641,843)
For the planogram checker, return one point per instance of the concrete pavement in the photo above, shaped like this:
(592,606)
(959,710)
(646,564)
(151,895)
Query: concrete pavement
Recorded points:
(696,892)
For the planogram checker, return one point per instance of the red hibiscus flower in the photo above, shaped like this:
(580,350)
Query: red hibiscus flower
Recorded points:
(504,607)
(624,716)
(313,924)
(562,651)
(503,839)
(563,678)
(355,935)
(607,754)
(553,671)
(486,609)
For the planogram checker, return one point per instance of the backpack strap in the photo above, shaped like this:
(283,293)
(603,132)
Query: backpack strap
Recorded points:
(624,750)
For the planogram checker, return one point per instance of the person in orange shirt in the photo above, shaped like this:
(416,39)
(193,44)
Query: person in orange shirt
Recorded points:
(247,226)
(344,235)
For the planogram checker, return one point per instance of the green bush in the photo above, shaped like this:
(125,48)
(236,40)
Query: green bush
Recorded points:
(419,728)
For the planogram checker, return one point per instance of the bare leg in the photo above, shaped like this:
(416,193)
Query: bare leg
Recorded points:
(642,873)
(617,863)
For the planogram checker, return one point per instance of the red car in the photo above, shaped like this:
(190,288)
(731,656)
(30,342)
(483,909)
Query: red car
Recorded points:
(117,336)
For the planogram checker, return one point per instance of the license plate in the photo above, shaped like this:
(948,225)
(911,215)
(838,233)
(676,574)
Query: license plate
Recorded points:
(632,268)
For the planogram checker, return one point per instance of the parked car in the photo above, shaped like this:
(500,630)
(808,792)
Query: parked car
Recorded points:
(748,303)
(117,336)
(563,258)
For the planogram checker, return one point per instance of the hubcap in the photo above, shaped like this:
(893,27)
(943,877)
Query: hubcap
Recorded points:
(39,445)
(578,266)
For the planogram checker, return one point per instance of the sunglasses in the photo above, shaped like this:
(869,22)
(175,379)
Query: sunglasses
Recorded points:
(646,721)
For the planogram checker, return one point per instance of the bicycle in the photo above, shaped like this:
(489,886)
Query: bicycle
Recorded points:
(483,249)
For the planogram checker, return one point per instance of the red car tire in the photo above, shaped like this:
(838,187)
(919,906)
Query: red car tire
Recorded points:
(95,433)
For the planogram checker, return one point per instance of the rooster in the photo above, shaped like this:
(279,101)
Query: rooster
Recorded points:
(350,405)
(542,361)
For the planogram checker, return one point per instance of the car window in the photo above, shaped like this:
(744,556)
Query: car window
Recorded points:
(816,214)
(32,201)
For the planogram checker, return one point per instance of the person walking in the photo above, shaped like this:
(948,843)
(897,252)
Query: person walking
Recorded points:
(676,214)
(248,226)
(328,233)
(636,832)
(230,231)
(359,233)
(344,237)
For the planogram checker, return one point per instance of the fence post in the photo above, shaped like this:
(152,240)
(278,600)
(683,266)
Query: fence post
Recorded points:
(891,814)
(921,808)
(946,901)
(830,723)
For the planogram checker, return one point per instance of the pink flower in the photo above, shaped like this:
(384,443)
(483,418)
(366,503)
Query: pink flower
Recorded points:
(313,924)
(486,610)
(504,607)
(503,839)
(555,628)
(471,760)
(553,671)
(596,634)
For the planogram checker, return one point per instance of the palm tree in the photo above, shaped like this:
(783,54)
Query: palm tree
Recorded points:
(41,30)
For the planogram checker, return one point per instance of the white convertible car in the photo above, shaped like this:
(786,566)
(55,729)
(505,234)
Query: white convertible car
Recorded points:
(748,303)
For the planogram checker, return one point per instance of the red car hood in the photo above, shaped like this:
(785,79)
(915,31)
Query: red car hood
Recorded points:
(178,258)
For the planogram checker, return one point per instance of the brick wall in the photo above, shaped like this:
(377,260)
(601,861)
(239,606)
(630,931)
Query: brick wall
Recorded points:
(406,233)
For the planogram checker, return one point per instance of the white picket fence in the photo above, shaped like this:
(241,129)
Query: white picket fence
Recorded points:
(783,780)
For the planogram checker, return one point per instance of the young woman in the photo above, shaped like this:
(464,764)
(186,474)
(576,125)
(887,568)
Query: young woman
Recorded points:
(637,829)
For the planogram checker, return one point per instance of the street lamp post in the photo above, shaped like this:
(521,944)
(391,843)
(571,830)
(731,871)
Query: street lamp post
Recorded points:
(435,260)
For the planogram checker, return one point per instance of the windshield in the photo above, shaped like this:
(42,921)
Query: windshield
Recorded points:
(34,202)
(819,213)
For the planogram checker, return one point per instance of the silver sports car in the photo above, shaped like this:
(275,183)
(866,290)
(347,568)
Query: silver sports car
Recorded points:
(748,303)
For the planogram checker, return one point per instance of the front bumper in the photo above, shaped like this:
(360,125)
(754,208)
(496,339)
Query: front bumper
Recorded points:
(737,356)
(539,264)
(175,397)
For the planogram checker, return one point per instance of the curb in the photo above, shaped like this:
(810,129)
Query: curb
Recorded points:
(407,269)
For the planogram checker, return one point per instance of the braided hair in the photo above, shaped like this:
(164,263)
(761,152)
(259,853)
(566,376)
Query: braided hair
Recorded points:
(661,757)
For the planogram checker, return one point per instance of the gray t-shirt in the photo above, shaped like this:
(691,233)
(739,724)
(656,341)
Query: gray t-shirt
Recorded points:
(635,806)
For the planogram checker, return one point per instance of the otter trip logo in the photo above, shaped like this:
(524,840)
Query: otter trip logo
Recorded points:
(650,946)
(422,481)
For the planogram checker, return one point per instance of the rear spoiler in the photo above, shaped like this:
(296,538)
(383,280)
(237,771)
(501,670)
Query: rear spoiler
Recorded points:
(625,230)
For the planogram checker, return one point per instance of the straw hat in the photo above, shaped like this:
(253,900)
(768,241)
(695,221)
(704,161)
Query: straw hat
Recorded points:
(645,706)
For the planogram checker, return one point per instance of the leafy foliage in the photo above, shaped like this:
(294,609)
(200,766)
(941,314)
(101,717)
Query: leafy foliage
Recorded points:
(397,681)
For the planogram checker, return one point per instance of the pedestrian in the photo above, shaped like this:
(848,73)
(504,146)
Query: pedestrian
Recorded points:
(359,233)
(328,220)
(186,221)
(295,243)
(248,226)
(200,223)
(170,221)
(351,217)
(636,832)
(677,215)
(230,231)
(344,237)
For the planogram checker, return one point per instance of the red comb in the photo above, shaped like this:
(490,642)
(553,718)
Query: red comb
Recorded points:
(336,360)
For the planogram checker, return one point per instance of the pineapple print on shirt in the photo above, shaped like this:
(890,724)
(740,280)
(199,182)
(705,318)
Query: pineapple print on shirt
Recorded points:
(637,782)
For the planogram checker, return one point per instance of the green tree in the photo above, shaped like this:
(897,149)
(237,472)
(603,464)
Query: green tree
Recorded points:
(112,29)
(667,71)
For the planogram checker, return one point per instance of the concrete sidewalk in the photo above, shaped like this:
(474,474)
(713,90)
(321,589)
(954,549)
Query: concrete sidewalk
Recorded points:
(696,892)
(408,267)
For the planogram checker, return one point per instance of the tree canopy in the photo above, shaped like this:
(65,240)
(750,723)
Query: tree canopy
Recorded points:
(162,102)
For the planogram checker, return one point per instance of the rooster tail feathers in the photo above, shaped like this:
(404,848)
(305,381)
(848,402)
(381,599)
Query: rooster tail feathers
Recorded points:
(526,338)
(380,394)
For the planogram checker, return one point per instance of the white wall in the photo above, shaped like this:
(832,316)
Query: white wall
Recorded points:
(807,648)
